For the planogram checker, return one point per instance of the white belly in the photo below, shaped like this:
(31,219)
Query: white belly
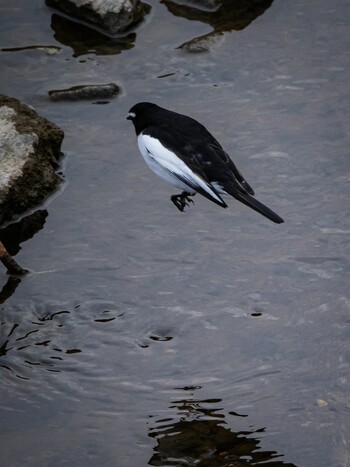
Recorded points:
(160,170)
(169,166)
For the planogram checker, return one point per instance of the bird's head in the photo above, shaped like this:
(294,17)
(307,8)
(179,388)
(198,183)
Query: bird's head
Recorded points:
(142,114)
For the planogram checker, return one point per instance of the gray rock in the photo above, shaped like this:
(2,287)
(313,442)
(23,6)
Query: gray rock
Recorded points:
(30,148)
(205,43)
(113,16)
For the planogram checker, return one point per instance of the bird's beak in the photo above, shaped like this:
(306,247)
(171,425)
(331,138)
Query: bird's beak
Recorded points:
(128,117)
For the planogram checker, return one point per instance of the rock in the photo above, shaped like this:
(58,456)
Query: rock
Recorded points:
(30,148)
(205,43)
(88,91)
(48,49)
(114,16)
(321,403)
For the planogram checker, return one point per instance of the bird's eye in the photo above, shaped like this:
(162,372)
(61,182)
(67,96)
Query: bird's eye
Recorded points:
(131,115)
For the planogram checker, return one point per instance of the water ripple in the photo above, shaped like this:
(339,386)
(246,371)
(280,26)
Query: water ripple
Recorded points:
(50,337)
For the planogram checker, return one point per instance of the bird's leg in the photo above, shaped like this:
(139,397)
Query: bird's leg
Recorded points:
(182,200)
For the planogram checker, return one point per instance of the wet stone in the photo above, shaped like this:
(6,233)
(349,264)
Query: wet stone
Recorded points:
(89,91)
(113,16)
(30,149)
(205,4)
(205,43)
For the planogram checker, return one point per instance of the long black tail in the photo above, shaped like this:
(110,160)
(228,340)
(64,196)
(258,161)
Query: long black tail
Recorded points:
(254,204)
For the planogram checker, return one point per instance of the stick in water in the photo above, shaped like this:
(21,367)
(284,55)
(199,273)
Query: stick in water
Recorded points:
(9,263)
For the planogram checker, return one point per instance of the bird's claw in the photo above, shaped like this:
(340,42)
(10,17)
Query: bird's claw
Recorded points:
(182,200)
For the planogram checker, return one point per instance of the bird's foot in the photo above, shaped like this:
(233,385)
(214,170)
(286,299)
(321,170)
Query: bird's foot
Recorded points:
(182,200)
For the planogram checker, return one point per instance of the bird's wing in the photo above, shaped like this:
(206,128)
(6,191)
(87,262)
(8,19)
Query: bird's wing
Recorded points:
(232,166)
(198,147)
(182,164)
(222,170)
(217,165)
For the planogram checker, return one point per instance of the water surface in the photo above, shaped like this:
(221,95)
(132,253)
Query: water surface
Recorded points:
(143,336)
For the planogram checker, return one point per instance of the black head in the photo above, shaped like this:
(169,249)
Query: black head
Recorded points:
(142,114)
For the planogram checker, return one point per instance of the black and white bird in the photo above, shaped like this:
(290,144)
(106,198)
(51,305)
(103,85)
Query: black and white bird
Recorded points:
(183,152)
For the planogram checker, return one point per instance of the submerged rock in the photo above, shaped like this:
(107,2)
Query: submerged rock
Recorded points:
(205,43)
(205,4)
(30,148)
(114,16)
(88,91)
(48,49)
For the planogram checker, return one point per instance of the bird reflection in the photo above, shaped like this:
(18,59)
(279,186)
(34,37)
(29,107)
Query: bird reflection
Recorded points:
(230,15)
(200,438)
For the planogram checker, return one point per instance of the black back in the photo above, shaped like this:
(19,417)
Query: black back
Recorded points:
(190,140)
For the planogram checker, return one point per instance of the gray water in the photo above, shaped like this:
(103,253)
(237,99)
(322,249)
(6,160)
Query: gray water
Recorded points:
(145,336)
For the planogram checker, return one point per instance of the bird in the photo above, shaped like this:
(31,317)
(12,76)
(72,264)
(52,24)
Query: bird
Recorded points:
(183,152)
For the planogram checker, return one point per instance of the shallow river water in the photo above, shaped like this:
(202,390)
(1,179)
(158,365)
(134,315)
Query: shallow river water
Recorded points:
(145,336)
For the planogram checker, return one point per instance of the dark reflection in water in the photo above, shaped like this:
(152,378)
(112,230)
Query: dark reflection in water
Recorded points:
(201,438)
(84,40)
(9,288)
(230,15)
(14,234)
